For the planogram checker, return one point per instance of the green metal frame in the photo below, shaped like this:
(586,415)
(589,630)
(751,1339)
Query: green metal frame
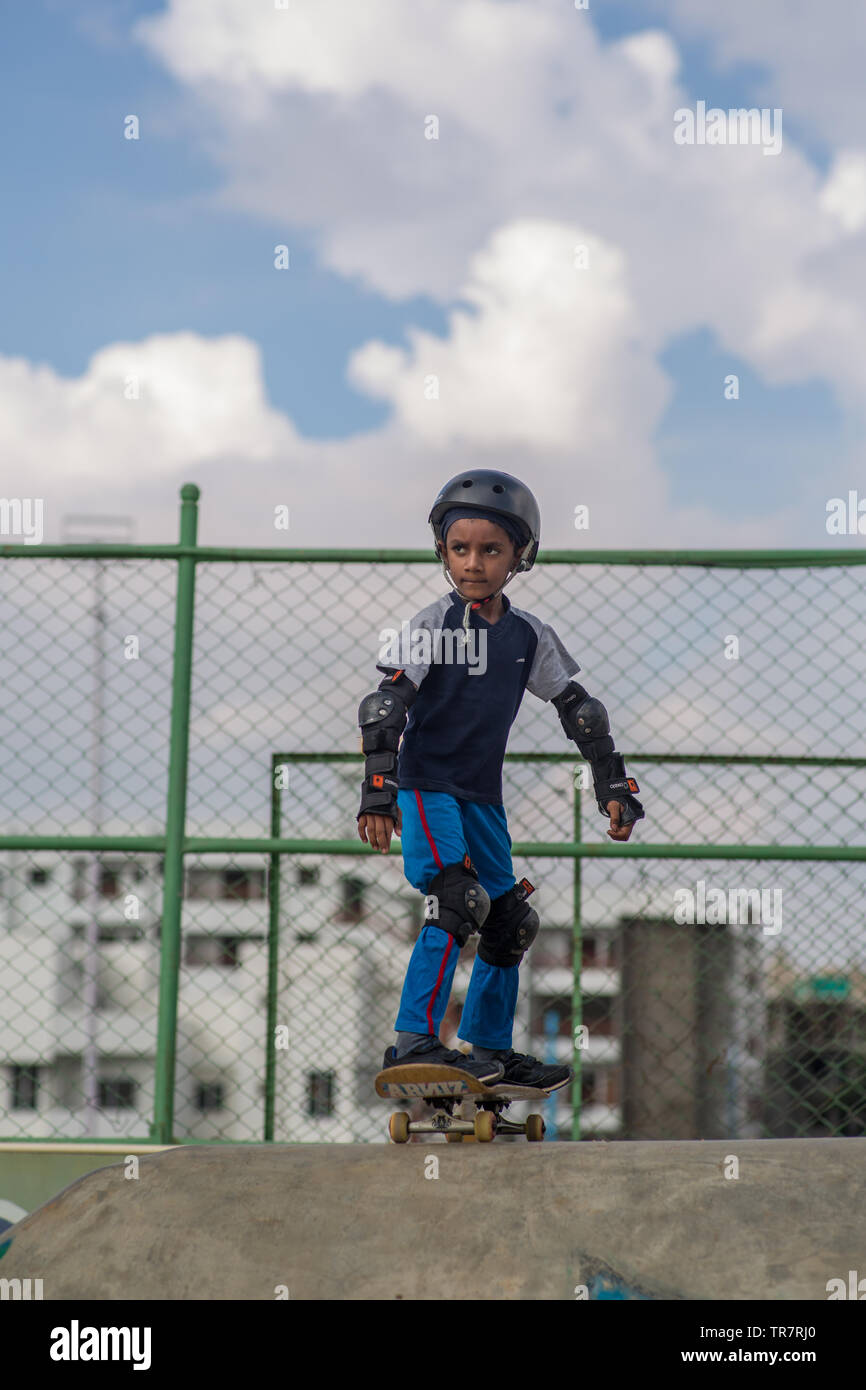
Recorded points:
(175,844)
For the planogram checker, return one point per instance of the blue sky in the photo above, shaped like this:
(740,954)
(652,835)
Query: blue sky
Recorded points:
(115,239)
(112,240)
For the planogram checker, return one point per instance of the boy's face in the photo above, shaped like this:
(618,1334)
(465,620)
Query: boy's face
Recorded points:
(480,555)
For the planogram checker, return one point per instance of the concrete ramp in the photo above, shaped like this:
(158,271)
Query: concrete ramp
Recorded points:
(501,1221)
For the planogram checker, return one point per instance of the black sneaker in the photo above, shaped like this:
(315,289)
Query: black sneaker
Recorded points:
(523,1070)
(432,1050)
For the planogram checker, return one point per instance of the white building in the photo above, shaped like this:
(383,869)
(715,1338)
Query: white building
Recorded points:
(338,988)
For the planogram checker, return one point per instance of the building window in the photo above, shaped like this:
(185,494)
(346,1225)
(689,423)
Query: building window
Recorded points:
(352,905)
(320,1093)
(203,883)
(552,949)
(212,950)
(209,1095)
(543,1008)
(243,884)
(116,1093)
(109,880)
(598,1015)
(307,874)
(128,931)
(602,944)
(217,885)
(25,1087)
(39,875)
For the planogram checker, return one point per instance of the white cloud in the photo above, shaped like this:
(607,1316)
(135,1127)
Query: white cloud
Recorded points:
(317,113)
(340,49)
(808,60)
(655,53)
(573,425)
(844,192)
(198,399)
(548,358)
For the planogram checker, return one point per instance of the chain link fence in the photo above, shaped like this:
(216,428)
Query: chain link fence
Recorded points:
(195,946)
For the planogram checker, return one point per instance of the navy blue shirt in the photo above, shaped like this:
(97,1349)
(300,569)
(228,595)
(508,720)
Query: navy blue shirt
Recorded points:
(469,693)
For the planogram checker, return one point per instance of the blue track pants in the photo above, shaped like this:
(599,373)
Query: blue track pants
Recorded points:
(439,829)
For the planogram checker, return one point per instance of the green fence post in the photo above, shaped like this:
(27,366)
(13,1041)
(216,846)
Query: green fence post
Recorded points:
(273,951)
(175,823)
(577,968)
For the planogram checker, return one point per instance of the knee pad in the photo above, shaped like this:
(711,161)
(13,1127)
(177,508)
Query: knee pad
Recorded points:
(510,928)
(456,902)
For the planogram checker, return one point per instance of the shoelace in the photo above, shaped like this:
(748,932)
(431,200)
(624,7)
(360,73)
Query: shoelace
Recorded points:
(521,1057)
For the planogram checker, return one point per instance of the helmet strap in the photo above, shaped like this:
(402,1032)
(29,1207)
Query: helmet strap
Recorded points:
(477,602)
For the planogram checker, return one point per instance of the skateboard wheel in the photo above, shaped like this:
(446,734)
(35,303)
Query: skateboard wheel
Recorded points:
(398,1127)
(485,1126)
(454,1138)
(535,1128)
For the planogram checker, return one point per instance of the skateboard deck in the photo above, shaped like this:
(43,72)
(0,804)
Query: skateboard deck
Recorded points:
(446,1089)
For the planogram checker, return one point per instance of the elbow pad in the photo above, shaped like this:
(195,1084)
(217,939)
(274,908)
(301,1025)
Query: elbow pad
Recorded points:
(585,720)
(382,718)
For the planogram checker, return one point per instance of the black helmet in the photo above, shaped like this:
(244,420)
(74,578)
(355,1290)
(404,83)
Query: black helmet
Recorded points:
(491,491)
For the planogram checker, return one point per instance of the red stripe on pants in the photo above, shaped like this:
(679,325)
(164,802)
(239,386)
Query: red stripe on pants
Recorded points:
(446,953)
(431,842)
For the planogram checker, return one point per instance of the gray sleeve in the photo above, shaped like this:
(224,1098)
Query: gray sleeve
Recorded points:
(552,667)
(413,647)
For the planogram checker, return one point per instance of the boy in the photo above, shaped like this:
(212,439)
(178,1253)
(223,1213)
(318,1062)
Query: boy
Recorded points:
(446,798)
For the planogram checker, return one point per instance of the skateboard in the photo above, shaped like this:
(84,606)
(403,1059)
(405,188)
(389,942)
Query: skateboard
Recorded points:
(445,1089)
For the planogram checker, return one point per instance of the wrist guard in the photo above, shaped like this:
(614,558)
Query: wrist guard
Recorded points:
(382,717)
(585,720)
